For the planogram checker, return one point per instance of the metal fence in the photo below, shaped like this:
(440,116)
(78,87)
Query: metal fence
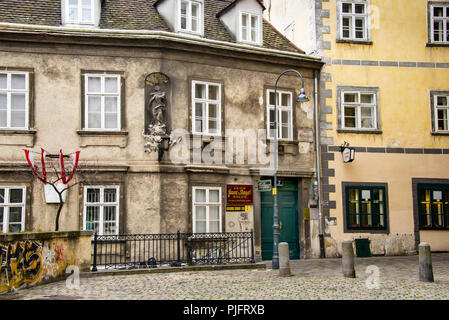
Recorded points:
(130,251)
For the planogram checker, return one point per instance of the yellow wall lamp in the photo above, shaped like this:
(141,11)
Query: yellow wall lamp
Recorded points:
(347,152)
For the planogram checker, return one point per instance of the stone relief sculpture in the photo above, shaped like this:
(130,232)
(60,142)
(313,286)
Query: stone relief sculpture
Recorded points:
(157,107)
(157,114)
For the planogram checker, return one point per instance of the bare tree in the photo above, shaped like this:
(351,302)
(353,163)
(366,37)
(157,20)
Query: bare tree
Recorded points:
(52,171)
(54,179)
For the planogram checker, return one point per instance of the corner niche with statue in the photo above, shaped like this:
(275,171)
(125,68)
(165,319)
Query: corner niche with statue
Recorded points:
(157,132)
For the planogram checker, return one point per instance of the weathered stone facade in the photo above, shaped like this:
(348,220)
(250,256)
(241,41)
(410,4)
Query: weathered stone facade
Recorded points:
(155,193)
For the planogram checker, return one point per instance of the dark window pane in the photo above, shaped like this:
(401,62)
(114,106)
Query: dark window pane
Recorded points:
(437,208)
(366,220)
(285,99)
(354,220)
(271,97)
(360,8)
(350,122)
(376,220)
(353,207)
(213,92)
(446,207)
(15,196)
(15,214)
(93,195)
(350,97)
(442,101)
(425,220)
(200,91)
(14,228)
(424,207)
(438,12)
(347,7)
(272,118)
(346,28)
(438,30)
(349,112)
(110,195)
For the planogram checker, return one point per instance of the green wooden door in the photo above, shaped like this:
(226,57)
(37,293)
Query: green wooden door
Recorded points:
(288,220)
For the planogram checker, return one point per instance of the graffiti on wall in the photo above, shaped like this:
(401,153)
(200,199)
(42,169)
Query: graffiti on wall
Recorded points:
(58,248)
(25,262)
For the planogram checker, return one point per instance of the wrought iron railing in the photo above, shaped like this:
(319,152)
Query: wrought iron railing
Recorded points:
(131,251)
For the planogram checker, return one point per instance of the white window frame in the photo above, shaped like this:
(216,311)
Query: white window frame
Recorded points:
(258,29)
(279,110)
(436,108)
(79,8)
(206,204)
(358,106)
(444,20)
(101,205)
(9,91)
(353,16)
(102,94)
(205,102)
(6,206)
(189,17)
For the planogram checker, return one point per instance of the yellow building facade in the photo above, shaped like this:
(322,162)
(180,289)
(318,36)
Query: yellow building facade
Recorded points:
(384,93)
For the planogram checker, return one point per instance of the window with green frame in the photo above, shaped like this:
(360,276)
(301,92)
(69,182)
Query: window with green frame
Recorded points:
(433,206)
(366,207)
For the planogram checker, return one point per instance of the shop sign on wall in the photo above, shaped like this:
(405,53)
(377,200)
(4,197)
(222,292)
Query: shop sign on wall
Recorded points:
(239,194)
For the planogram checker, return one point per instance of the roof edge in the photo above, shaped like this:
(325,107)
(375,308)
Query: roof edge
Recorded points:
(155,34)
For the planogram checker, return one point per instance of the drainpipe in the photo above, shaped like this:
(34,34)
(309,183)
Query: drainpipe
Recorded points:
(318,161)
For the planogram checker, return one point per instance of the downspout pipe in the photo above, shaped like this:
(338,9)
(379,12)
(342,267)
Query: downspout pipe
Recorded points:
(318,162)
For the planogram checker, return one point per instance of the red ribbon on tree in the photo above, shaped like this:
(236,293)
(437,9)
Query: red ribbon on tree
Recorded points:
(75,160)
(30,159)
(43,177)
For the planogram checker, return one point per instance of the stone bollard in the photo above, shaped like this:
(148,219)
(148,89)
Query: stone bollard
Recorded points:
(425,263)
(348,259)
(284,259)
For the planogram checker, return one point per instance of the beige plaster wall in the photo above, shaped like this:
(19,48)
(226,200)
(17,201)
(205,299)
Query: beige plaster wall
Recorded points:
(384,168)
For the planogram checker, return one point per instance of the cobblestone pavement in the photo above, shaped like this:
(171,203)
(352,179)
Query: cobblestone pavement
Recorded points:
(311,279)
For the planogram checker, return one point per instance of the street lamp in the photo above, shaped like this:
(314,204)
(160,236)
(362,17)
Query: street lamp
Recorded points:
(301,98)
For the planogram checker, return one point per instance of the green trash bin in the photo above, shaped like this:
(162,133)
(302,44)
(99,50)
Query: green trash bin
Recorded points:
(362,248)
